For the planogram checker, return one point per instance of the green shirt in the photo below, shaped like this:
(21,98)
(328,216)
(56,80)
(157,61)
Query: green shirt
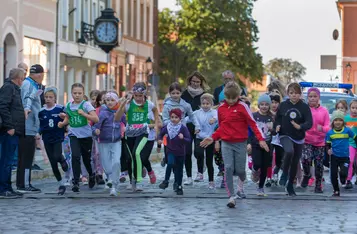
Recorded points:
(76,120)
(352,124)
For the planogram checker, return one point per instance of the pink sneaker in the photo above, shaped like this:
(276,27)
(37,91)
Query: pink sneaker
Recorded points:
(311,182)
(250,162)
(152,177)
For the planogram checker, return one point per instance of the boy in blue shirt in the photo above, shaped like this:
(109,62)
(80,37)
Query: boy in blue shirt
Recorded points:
(337,144)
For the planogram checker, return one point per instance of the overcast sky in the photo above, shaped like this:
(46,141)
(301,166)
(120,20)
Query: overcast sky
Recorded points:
(296,29)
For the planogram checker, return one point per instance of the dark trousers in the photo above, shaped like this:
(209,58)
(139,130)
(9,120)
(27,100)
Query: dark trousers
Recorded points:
(292,157)
(261,161)
(200,156)
(314,154)
(188,158)
(176,163)
(145,155)
(54,153)
(135,146)
(81,147)
(124,156)
(8,146)
(27,148)
(279,156)
(342,164)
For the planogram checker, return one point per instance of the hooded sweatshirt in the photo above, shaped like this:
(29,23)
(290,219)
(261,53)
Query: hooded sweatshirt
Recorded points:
(186,109)
(320,116)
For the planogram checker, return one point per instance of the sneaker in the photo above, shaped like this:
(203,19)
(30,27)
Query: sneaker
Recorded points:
(175,187)
(255,175)
(275,179)
(179,190)
(22,190)
(75,188)
(36,167)
(67,183)
(188,181)
(99,179)
(32,189)
(17,193)
(283,180)
(164,184)
(123,175)
(211,185)
(311,182)
(91,182)
(336,194)
(348,185)
(64,166)
(129,187)
(152,177)
(269,183)
(305,181)
(199,177)
(318,189)
(84,180)
(290,190)
(61,190)
(113,192)
(109,184)
(163,163)
(139,187)
(144,172)
(241,194)
(231,202)
(260,192)
(9,195)
(223,185)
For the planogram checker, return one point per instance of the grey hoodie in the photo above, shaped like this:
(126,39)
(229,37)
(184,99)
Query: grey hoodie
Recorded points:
(185,107)
(30,95)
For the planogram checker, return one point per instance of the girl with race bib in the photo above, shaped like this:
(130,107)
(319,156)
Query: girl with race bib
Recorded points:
(79,113)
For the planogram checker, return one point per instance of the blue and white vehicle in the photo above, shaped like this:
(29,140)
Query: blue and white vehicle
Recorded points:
(331,93)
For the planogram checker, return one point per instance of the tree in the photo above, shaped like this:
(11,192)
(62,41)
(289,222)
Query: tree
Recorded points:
(285,70)
(209,36)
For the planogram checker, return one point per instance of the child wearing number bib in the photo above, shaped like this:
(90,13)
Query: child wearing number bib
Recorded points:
(137,130)
(52,135)
(79,113)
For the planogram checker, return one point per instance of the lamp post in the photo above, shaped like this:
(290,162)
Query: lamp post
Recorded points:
(348,70)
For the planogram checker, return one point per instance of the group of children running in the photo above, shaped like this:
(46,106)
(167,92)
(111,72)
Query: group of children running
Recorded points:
(119,135)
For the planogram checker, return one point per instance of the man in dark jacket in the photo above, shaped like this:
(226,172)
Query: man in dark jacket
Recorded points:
(12,127)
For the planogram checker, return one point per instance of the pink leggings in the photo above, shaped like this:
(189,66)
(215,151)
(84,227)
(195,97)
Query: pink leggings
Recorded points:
(353,152)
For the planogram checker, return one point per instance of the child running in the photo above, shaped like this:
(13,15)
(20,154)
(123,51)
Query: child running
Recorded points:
(351,122)
(109,136)
(52,135)
(261,158)
(234,117)
(177,138)
(314,147)
(337,142)
(79,113)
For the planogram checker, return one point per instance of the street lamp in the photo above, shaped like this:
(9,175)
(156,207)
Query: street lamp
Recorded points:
(149,64)
(348,70)
(81,46)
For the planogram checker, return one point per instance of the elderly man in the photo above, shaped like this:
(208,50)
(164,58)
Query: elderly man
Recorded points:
(12,127)
(30,94)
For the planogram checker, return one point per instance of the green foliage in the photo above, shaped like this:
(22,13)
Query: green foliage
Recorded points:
(285,70)
(210,36)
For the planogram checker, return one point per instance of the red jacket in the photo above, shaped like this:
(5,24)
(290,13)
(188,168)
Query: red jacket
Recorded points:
(233,122)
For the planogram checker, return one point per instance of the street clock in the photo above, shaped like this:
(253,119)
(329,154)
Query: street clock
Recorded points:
(106,33)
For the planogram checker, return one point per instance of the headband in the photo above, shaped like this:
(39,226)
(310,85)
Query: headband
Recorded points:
(139,89)
(112,95)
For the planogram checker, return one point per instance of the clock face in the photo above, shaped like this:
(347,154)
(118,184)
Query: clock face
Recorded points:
(106,32)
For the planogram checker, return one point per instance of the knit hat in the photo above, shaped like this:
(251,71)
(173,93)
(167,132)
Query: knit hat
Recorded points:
(316,90)
(337,115)
(275,96)
(51,89)
(177,112)
(264,98)
(139,87)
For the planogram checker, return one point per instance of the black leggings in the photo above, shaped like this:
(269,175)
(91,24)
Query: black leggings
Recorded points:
(54,154)
(292,157)
(81,147)
(136,146)
(279,156)
(145,155)
(261,161)
(336,163)
(200,156)
(188,158)
(26,154)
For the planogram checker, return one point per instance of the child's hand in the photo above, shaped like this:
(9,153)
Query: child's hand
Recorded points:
(38,137)
(97,132)
(212,121)
(60,124)
(62,115)
(197,131)
(249,148)
(180,136)
(264,145)
(159,142)
(329,152)
(81,112)
(319,128)
(206,142)
(297,126)
(217,146)
(277,129)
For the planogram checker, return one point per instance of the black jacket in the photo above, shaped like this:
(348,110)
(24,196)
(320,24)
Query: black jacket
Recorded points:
(195,103)
(299,112)
(11,108)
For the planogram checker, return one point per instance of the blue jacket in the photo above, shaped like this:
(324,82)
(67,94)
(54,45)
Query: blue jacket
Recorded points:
(110,131)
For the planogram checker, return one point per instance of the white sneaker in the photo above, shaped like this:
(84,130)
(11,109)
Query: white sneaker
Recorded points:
(67,183)
(199,177)
(113,192)
(211,185)
(139,187)
(188,181)
(129,187)
(231,202)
